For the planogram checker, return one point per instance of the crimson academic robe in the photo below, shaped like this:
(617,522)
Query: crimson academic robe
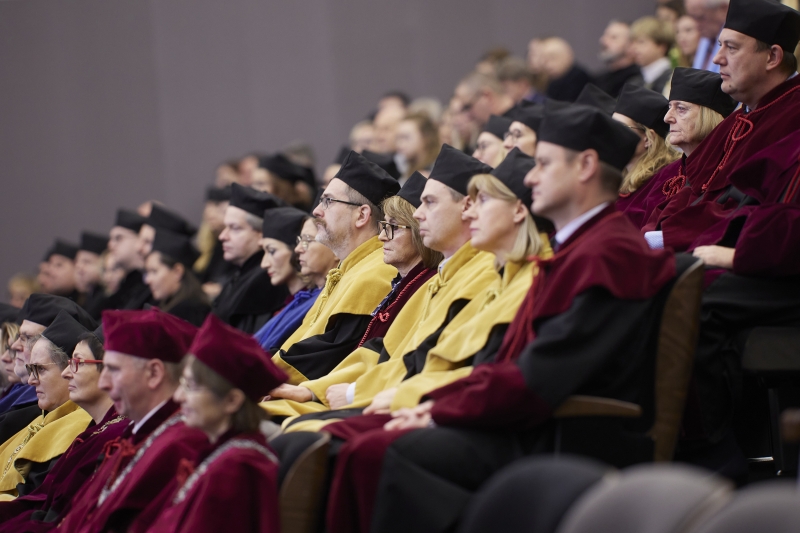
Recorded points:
(587,326)
(135,474)
(249,298)
(41,509)
(709,196)
(641,203)
(233,487)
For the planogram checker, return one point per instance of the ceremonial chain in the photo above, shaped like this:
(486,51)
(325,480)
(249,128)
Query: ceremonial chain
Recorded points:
(119,418)
(108,491)
(234,444)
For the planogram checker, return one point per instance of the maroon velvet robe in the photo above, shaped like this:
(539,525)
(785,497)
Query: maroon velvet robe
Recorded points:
(397,298)
(237,491)
(703,203)
(641,203)
(496,396)
(49,500)
(142,492)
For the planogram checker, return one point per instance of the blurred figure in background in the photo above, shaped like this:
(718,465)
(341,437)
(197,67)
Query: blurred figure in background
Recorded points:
(113,274)
(491,59)
(386,121)
(61,270)
(616,54)
(20,286)
(394,99)
(652,40)
(211,268)
(89,272)
(670,11)
(480,96)
(566,78)
(246,166)
(418,143)
(710,17)
(687,37)
(227,173)
(490,149)
(362,136)
(517,80)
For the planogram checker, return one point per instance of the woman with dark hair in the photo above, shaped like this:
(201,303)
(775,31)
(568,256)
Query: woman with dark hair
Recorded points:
(41,509)
(234,485)
(168,273)
(490,148)
(281,232)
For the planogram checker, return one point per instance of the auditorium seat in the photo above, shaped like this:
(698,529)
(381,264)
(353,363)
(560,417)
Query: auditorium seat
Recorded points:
(770,506)
(654,498)
(532,495)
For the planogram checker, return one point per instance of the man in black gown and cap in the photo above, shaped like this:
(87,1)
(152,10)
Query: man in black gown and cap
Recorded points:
(248,299)
(123,245)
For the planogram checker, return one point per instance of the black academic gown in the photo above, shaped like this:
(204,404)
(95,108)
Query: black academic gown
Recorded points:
(613,80)
(218,270)
(95,301)
(193,310)
(133,293)
(15,420)
(249,298)
(568,87)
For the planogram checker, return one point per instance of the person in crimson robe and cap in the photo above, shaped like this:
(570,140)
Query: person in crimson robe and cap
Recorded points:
(141,370)
(738,212)
(41,509)
(234,483)
(588,325)
(248,299)
(758,69)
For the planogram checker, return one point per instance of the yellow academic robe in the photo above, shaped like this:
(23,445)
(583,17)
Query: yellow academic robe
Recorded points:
(356,287)
(44,439)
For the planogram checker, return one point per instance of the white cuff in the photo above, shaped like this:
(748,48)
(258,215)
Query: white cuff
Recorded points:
(351,393)
(655,239)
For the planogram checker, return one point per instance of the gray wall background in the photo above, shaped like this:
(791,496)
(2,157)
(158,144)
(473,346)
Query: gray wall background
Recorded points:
(105,104)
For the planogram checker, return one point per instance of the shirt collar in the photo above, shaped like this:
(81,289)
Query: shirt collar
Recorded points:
(138,425)
(572,226)
(652,71)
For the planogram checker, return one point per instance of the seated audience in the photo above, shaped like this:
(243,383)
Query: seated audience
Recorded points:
(687,37)
(490,147)
(417,143)
(479,96)
(124,251)
(211,268)
(61,270)
(89,273)
(652,40)
(566,78)
(617,55)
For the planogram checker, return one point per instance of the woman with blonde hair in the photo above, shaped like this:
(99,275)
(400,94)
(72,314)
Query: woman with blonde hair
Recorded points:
(418,142)
(643,110)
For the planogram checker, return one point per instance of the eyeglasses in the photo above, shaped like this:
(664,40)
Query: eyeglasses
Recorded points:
(325,202)
(189,385)
(75,364)
(34,368)
(304,241)
(390,228)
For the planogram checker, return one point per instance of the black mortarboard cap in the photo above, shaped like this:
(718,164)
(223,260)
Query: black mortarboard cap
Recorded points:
(42,309)
(645,107)
(218,194)
(283,168)
(99,334)
(60,247)
(512,173)
(344,151)
(94,243)
(765,20)
(454,168)
(701,87)
(498,126)
(162,218)
(580,128)
(385,161)
(284,224)
(8,313)
(367,178)
(514,109)
(129,220)
(412,189)
(594,96)
(175,245)
(531,115)
(253,201)
(64,332)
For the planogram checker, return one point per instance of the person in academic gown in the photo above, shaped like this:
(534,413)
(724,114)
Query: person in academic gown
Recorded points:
(697,105)
(41,509)
(123,247)
(415,263)
(8,333)
(286,180)
(168,273)
(211,268)
(579,330)
(89,271)
(643,111)
(489,147)
(522,133)
(347,220)
(770,102)
(140,372)
(61,270)
(38,313)
(248,299)
(233,485)
(161,218)
(30,454)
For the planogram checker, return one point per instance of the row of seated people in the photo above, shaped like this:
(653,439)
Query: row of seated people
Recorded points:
(438,348)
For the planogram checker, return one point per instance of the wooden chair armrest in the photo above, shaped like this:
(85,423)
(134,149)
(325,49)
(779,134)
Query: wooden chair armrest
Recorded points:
(578,405)
(790,425)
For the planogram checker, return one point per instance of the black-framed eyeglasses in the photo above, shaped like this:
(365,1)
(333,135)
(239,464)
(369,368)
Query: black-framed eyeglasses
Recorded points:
(304,241)
(325,202)
(75,364)
(34,368)
(389,228)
